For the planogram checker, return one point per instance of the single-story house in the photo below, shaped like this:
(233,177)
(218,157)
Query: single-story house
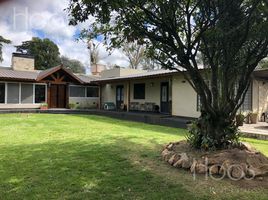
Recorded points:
(168,92)
(164,91)
(21,86)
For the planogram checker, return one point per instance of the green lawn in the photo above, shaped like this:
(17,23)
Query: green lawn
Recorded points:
(90,157)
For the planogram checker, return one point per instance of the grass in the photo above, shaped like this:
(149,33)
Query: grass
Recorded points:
(89,157)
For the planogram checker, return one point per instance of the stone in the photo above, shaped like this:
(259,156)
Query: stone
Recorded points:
(248,147)
(183,162)
(237,172)
(257,171)
(186,162)
(174,159)
(166,154)
(224,167)
(201,168)
(192,169)
(214,169)
(170,146)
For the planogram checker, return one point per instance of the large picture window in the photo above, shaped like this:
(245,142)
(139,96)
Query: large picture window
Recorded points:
(92,92)
(13,93)
(40,93)
(2,92)
(26,93)
(139,91)
(77,91)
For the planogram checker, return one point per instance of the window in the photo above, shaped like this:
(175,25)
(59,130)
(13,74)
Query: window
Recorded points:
(247,105)
(40,93)
(139,91)
(2,92)
(13,93)
(92,92)
(77,91)
(26,93)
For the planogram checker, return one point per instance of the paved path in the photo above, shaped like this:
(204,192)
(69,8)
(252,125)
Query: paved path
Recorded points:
(259,130)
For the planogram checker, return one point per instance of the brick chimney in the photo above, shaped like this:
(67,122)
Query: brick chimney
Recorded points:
(96,69)
(22,62)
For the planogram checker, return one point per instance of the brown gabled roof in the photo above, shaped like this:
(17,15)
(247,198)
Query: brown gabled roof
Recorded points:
(9,74)
(50,71)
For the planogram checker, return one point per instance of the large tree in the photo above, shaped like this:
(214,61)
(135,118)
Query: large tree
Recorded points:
(45,52)
(231,36)
(2,42)
(74,65)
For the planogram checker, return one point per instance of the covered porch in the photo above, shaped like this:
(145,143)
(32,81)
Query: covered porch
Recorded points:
(137,94)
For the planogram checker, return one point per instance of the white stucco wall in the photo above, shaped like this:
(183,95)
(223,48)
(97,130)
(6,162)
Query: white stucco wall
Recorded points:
(260,96)
(184,98)
(152,91)
(82,102)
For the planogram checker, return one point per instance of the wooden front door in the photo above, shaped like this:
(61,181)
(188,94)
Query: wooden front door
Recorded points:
(58,96)
(165,107)
(119,96)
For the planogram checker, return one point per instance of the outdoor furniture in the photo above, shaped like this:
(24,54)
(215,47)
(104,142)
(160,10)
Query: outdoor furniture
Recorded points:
(142,107)
(134,106)
(149,107)
(109,106)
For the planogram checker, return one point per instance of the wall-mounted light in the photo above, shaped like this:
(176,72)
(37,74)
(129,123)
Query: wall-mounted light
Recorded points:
(152,84)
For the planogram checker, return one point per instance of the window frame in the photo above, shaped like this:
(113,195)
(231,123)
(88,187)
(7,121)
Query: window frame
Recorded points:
(34,93)
(85,95)
(5,95)
(20,83)
(92,87)
(138,98)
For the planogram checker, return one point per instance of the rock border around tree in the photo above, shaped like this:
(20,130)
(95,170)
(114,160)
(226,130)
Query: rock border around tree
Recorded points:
(244,162)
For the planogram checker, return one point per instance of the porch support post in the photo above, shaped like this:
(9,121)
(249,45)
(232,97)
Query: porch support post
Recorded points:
(128,95)
(100,96)
(67,96)
(48,95)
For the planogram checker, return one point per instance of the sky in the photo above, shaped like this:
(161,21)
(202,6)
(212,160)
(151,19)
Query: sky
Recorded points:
(20,20)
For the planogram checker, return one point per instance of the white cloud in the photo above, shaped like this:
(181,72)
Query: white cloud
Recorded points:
(21,20)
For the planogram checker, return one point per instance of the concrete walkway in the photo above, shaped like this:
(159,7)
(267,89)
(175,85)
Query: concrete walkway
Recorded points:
(259,130)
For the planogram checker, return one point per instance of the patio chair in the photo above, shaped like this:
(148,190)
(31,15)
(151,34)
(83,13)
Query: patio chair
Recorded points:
(149,107)
(134,106)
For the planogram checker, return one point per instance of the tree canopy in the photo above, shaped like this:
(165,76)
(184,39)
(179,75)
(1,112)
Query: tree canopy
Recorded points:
(231,36)
(2,42)
(74,65)
(45,52)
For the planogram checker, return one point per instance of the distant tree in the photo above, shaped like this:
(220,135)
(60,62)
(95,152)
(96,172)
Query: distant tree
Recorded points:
(138,58)
(264,63)
(2,42)
(135,54)
(94,52)
(74,65)
(45,52)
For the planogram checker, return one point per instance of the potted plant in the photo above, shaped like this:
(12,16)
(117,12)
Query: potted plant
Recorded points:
(44,106)
(253,118)
(240,119)
(72,106)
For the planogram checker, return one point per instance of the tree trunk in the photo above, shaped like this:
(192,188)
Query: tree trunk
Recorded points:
(213,131)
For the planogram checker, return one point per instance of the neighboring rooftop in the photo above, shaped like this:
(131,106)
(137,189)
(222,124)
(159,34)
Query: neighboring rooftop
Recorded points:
(150,74)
